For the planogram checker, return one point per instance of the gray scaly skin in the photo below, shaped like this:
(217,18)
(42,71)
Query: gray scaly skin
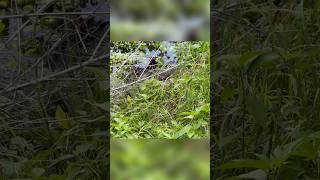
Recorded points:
(166,73)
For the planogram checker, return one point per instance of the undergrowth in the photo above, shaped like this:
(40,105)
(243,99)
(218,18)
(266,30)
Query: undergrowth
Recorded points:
(266,90)
(177,107)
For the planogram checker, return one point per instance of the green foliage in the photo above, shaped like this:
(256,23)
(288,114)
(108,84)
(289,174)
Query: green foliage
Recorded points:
(267,91)
(2,26)
(56,128)
(62,118)
(177,107)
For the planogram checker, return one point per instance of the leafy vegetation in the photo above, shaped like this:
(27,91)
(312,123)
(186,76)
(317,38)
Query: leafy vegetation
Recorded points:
(53,90)
(266,90)
(168,100)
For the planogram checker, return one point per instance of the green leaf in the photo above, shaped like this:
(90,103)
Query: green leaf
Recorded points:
(3,4)
(256,174)
(247,163)
(62,158)
(307,149)
(293,83)
(38,171)
(315,135)
(2,26)
(31,51)
(56,177)
(189,117)
(12,63)
(265,61)
(248,58)
(62,118)
(204,108)
(129,99)
(183,131)
(258,110)
(82,148)
(28,8)
(282,153)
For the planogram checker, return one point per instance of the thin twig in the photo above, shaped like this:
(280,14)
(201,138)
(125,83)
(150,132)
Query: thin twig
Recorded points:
(80,38)
(153,55)
(123,64)
(55,75)
(106,33)
(143,79)
(52,14)
(37,62)
(25,24)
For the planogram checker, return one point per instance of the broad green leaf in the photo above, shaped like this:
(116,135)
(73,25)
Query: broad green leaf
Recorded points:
(193,113)
(265,61)
(38,171)
(183,131)
(204,108)
(56,177)
(282,153)
(307,149)
(256,174)
(258,110)
(31,51)
(247,163)
(248,58)
(62,118)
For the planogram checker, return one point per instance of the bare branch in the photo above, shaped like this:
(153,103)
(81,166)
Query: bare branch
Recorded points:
(55,75)
(52,14)
(146,78)
(25,24)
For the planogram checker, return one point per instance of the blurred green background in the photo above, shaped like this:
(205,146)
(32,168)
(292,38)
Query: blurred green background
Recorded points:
(156,159)
(160,20)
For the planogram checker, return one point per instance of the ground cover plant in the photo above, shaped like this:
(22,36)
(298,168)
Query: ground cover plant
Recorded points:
(266,90)
(53,89)
(159,89)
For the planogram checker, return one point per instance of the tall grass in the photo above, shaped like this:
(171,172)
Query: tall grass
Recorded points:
(266,90)
(177,107)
